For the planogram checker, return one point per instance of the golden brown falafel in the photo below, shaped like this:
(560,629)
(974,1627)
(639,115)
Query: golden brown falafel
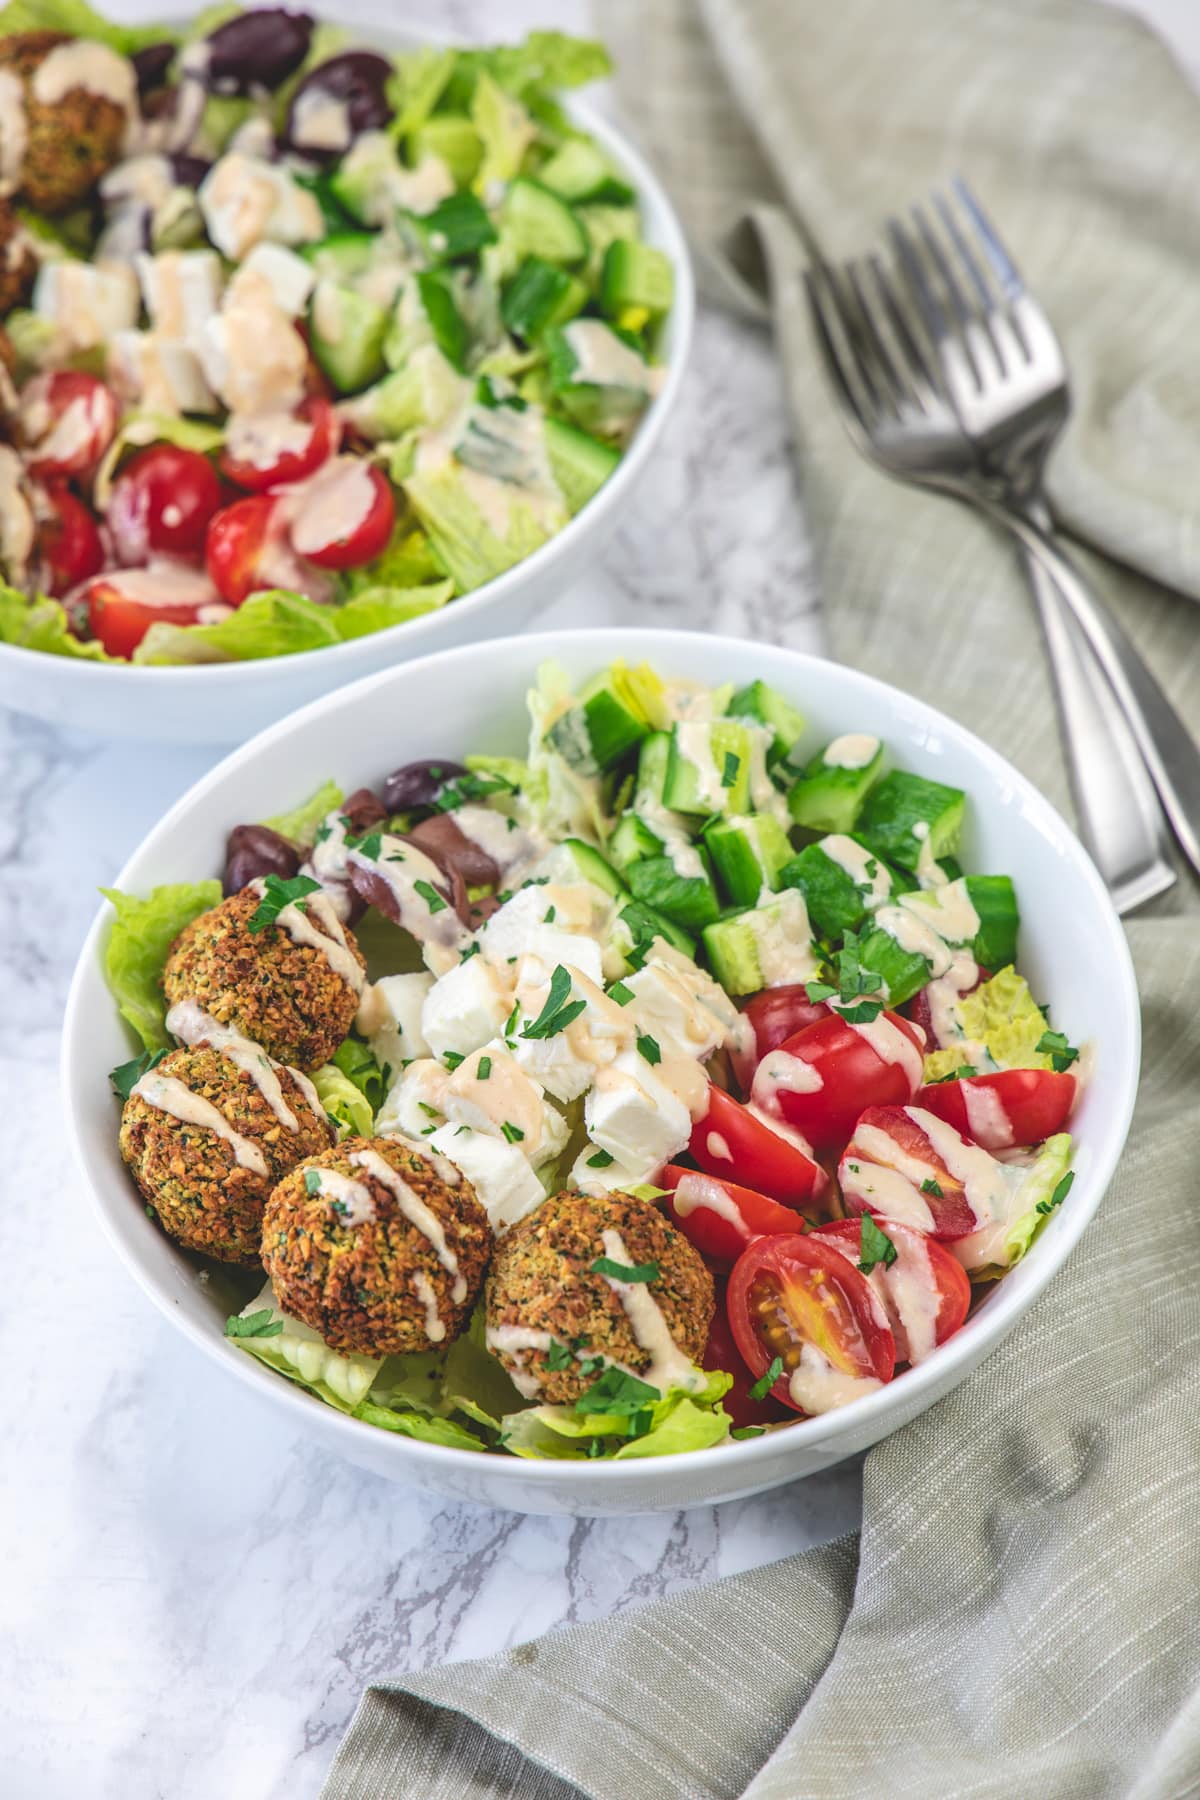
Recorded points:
(541,1280)
(374,1247)
(72,140)
(209,1192)
(18,264)
(281,994)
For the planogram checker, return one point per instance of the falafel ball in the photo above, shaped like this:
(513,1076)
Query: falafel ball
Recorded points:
(207,1191)
(541,1280)
(18,264)
(73,133)
(286,996)
(375,1248)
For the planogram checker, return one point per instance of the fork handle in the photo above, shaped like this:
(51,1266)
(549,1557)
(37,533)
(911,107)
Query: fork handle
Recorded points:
(1119,817)
(1171,754)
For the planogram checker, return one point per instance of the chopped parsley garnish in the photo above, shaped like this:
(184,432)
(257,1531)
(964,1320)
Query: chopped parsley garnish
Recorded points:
(512,1133)
(1054,1045)
(729,769)
(369,845)
(126,1077)
(430,896)
(556,1014)
(620,993)
(962,1073)
(558,1356)
(514,1015)
(279,893)
(452,1058)
(431,1112)
(874,1246)
(645,1190)
(484,1070)
(395,856)
(255,1324)
(312,1181)
(870,868)
(465,789)
(853,981)
(601,1160)
(551,915)
(323,832)
(631,1272)
(766,1382)
(1058,1196)
(819,990)
(648,1047)
(618,1394)
(747,1431)
(470,951)
(930,1186)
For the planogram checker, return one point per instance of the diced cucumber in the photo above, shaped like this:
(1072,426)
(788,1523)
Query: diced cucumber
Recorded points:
(454,139)
(343,255)
(651,784)
(579,463)
(748,853)
(829,796)
(635,275)
(994,899)
(600,729)
(690,900)
(767,707)
(573,860)
(581,171)
(535,221)
(597,376)
(604,226)
(364,180)
(450,330)
(836,903)
(458,226)
(762,947)
(638,925)
(912,821)
(708,769)
(540,295)
(632,841)
(346,332)
(904,972)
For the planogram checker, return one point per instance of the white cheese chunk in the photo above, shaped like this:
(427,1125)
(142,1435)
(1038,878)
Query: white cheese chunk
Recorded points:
(556,921)
(87,302)
(288,278)
(490,1092)
(181,289)
(244,200)
(566,1061)
(398,1037)
(466,1007)
(504,1181)
(157,373)
(680,1006)
(414,1101)
(634,1115)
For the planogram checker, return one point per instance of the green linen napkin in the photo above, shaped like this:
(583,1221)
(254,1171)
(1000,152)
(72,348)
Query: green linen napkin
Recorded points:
(1021,1613)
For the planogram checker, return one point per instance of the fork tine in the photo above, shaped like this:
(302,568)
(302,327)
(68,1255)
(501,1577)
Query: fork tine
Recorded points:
(875,341)
(953,231)
(924,379)
(942,264)
(840,361)
(1003,267)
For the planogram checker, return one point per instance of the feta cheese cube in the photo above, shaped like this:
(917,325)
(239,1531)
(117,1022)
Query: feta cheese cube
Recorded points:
(253,357)
(161,374)
(505,1183)
(465,1008)
(244,199)
(566,1062)
(397,1037)
(287,279)
(553,921)
(505,1103)
(680,1006)
(414,1101)
(181,288)
(87,302)
(636,1116)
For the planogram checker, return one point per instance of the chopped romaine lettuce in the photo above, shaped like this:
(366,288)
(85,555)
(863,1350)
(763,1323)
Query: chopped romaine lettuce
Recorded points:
(301,824)
(38,623)
(1036,1197)
(505,130)
(378,608)
(430,1428)
(359,1064)
(472,548)
(138,945)
(345,1103)
(679,1421)
(1003,1015)
(297,1352)
(142,428)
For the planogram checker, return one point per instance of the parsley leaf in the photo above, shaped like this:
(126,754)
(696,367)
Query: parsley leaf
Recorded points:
(484,1070)
(620,993)
(558,1356)
(747,1431)
(511,1022)
(126,1077)
(277,894)
(853,981)
(617,1394)
(1045,1207)
(1054,1045)
(766,1382)
(819,990)
(874,1246)
(930,1186)
(648,1047)
(601,1160)
(255,1324)
(555,1016)
(729,769)
(512,1133)
(430,896)
(551,915)
(369,845)
(452,1058)
(312,1181)
(470,951)
(463,790)
(631,1272)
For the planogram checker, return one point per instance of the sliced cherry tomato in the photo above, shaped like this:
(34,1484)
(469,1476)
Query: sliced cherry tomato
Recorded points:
(732,1140)
(68,539)
(276,451)
(1012,1106)
(67,421)
(722,1353)
(921,1011)
(345,514)
(720,1217)
(892,1167)
(820,1080)
(801,1300)
(925,1293)
(161,504)
(772,1017)
(238,546)
(118,609)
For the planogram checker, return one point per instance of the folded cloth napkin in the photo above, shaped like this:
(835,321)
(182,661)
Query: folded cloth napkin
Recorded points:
(1020,1614)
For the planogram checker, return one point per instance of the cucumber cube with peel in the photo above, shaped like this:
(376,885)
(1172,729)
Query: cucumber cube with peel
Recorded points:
(836,903)
(632,841)
(708,768)
(636,928)
(829,796)
(688,900)
(762,947)
(635,275)
(766,707)
(911,820)
(579,462)
(904,972)
(540,295)
(599,729)
(748,854)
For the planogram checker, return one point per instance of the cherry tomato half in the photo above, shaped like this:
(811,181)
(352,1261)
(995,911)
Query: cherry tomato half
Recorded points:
(69,539)
(347,515)
(67,421)
(722,1353)
(730,1139)
(891,1168)
(261,454)
(773,1016)
(800,1299)
(925,1293)
(161,504)
(118,609)
(1012,1106)
(849,1067)
(720,1217)
(237,546)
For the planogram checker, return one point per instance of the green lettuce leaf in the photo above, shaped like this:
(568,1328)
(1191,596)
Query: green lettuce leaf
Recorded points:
(679,1421)
(41,624)
(297,1352)
(274,623)
(1053,1161)
(138,945)
(346,1104)
(300,825)
(431,1430)
(416,85)
(543,60)
(377,608)
(77,19)
(358,1063)
(470,550)
(505,130)
(406,563)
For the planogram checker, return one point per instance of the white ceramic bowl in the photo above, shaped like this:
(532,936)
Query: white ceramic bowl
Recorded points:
(1073,950)
(223,703)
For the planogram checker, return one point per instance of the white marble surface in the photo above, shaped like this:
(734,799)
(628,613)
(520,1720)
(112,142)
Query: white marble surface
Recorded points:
(192,1599)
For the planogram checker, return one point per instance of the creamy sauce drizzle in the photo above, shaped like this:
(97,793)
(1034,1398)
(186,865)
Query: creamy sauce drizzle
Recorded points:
(852,751)
(669,1367)
(328,937)
(188,1021)
(417,1213)
(170,1095)
(695,1191)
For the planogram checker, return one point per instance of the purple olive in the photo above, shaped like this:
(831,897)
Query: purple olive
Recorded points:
(150,65)
(256,50)
(419,783)
(188,171)
(365,810)
(254,850)
(356,86)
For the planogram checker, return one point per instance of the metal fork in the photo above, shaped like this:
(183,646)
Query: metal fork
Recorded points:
(898,413)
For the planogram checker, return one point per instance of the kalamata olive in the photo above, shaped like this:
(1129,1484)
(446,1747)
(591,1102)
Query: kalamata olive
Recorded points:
(453,852)
(378,892)
(418,783)
(336,101)
(365,810)
(254,850)
(188,171)
(256,49)
(150,65)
